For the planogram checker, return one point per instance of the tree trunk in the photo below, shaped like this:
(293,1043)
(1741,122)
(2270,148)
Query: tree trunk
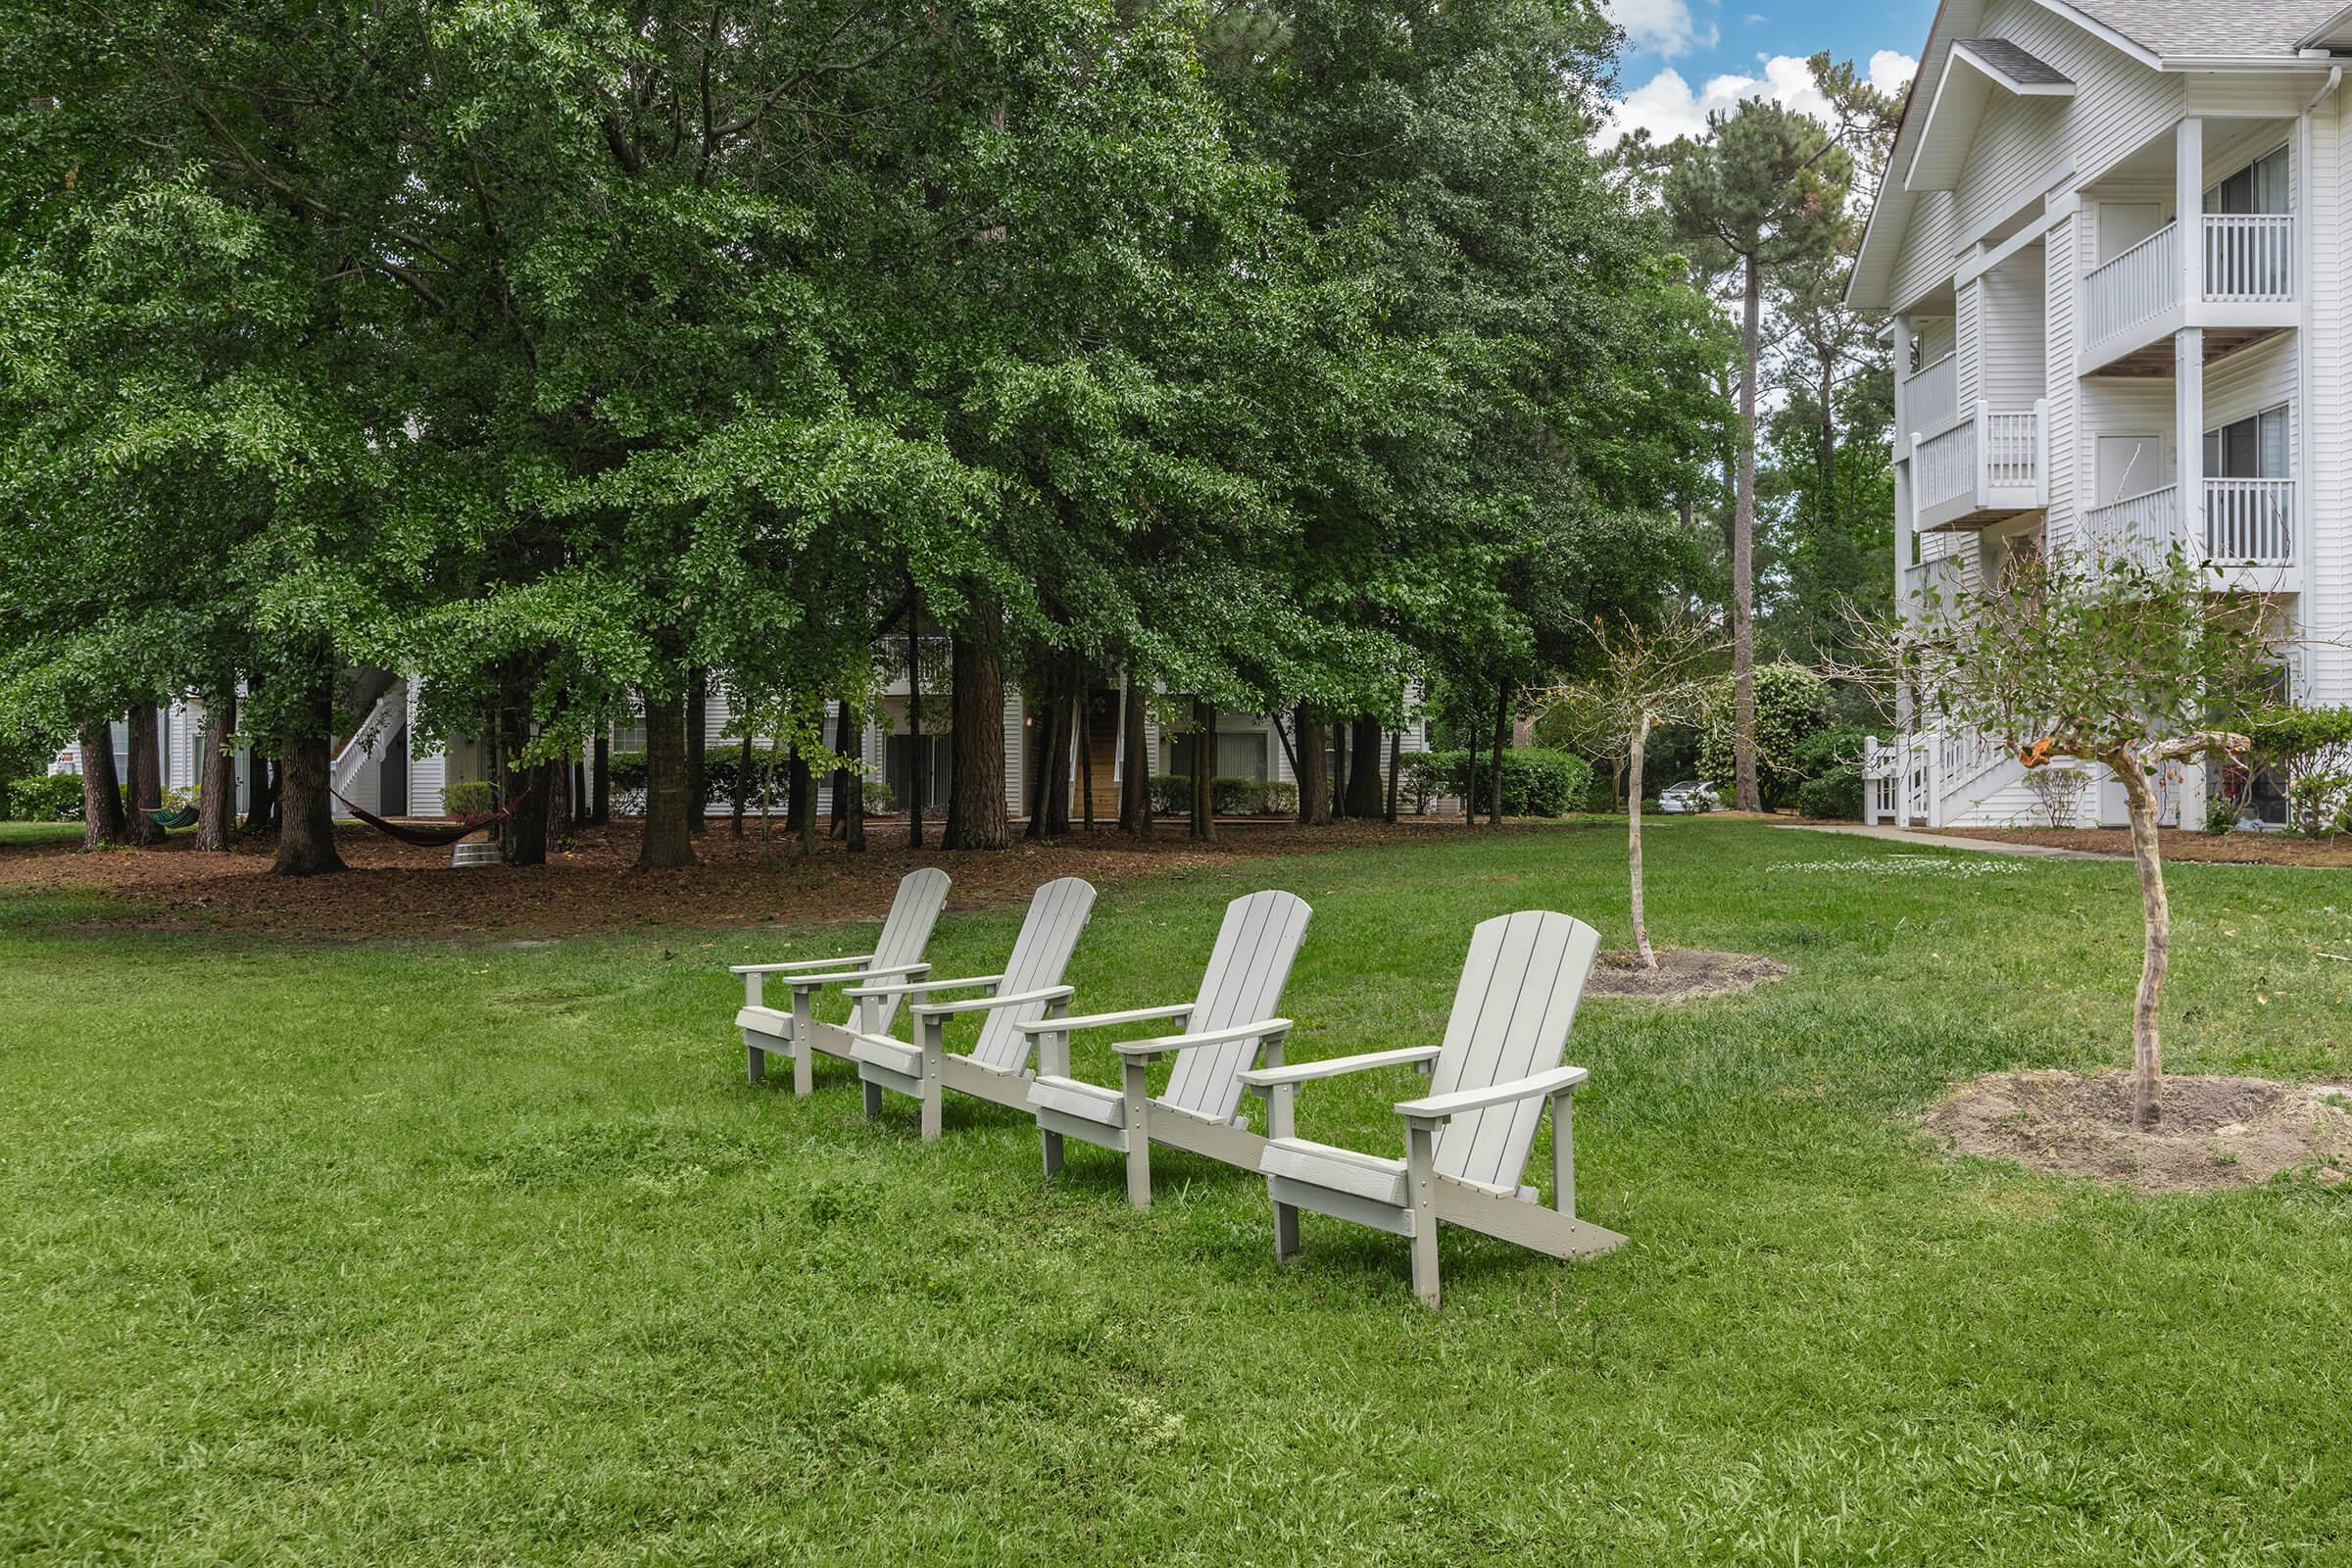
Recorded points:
(1314,771)
(2147,1044)
(852,793)
(216,777)
(600,783)
(979,739)
(1135,784)
(1340,763)
(1365,782)
(1205,771)
(1747,794)
(804,802)
(579,792)
(698,773)
(1085,753)
(1067,710)
(558,776)
(1395,772)
(743,777)
(264,776)
(837,809)
(101,791)
(145,786)
(1502,735)
(305,835)
(524,790)
(668,836)
(916,773)
(1632,842)
(1044,756)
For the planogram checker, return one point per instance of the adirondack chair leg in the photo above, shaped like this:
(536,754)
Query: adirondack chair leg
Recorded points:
(935,1050)
(755,1065)
(803,1053)
(1053,1142)
(1286,1232)
(1139,1134)
(873,1099)
(1563,1152)
(1421,1158)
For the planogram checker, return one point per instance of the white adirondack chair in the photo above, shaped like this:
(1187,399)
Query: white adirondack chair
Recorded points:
(997,1068)
(1466,1143)
(794,1029)
(1224,1030)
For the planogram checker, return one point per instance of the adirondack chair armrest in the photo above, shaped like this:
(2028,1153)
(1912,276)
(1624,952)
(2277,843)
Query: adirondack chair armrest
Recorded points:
(1265,1078)
(913,986)
(1103,1020)
(798,964)
(1147,1049)
(817,982)
(941,1009)
(1434,1109)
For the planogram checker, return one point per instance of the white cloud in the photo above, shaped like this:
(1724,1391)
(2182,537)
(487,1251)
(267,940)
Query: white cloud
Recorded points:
(1667,105)
(1660,26)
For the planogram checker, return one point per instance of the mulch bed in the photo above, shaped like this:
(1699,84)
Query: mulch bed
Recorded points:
(2215,1132)
(394,889)
(1683,974)
(2223,848)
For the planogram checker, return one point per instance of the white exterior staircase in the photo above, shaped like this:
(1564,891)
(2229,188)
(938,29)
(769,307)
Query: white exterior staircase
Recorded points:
(350,777)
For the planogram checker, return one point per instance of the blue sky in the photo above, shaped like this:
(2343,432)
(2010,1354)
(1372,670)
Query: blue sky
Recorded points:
(1685,57)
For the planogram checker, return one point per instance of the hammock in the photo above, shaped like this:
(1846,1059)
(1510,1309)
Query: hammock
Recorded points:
(178,816)
(435,836)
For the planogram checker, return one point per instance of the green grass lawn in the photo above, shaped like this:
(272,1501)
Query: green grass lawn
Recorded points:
(39,833)
(461,1254)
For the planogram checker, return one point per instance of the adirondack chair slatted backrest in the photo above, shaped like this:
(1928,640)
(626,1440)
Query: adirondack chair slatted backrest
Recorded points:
(1246,971)
(1520,986)
(1057,913)
(906,929)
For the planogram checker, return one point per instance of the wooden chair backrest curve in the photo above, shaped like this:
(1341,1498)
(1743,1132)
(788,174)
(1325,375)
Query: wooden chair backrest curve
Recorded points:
(1246,971)
(1520,986)
(906,929)
(1057,913)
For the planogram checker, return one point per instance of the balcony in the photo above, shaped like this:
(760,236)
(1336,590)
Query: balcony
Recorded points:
(2133,303)
(1932,394)
(2248,534)
(1987,467)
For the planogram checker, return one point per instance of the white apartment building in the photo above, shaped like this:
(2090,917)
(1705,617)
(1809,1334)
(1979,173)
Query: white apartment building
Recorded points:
(2115,239)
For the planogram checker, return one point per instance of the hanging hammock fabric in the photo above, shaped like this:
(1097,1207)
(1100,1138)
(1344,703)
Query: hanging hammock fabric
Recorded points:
(439,835)
(177,816)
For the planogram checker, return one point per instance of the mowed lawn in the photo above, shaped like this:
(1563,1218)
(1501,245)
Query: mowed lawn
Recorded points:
(453,1254)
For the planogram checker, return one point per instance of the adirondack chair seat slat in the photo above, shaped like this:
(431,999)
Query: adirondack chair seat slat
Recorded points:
(1343,1171)
(1228,1025)
(1073,1097)
(796,1029)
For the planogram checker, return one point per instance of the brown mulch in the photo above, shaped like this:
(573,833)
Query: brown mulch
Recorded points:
(2221,848)
(2215,1132)
(394,889)
(1683,974)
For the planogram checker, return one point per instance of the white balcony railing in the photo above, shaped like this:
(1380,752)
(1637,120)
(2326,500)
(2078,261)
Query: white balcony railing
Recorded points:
(2246,259)
(1947,466)
(2012,449)
(1932,395)
(2127,289)
(2248,522)
(1991,464)
(2249,256)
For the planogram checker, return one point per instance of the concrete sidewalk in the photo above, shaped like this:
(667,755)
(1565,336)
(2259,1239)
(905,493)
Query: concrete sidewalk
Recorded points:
(1946,841)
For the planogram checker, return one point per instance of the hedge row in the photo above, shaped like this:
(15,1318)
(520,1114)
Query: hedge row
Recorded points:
(1172,796)
(46,798)
(1536,781)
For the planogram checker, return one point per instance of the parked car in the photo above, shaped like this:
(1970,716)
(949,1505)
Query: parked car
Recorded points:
(1690,798)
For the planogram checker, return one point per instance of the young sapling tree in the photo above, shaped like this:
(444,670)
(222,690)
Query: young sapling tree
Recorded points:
(1642,677)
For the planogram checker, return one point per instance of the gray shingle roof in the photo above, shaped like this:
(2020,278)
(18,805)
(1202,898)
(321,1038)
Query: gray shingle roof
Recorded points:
(2013,63)
(2234,28)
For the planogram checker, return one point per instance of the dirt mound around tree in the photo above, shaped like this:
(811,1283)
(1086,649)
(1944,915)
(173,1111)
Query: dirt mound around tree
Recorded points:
(1683,974)
(2215,1132)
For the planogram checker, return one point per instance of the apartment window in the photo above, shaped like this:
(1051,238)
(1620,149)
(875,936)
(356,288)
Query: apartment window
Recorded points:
(2259,187)
(2252,448)
(1241,753)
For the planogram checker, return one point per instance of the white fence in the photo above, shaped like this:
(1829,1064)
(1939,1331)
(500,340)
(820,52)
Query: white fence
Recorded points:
(2140,527)
(2249,256)
(2012,449)
(2248,522)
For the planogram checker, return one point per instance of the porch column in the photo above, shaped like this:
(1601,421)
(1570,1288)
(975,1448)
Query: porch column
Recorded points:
(2188,345)
(1905,523)
(2189,210)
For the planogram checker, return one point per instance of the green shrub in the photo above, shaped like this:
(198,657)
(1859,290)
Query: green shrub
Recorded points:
(1835,794)
(2221,814)
(468,798)
(1792,709)
(2298,740)
(1536,781)
(1172,796)
(46,798)
(2314,799)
